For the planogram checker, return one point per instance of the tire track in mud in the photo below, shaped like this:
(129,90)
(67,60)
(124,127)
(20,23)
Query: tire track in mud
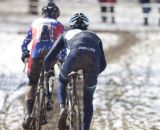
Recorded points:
(127,40)
(13,112)
(127,103)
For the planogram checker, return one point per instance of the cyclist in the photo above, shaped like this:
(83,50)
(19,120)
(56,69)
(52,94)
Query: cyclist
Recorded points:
(42,34)
(86,53)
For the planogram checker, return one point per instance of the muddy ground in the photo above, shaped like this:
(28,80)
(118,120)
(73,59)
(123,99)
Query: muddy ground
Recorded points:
(109,93)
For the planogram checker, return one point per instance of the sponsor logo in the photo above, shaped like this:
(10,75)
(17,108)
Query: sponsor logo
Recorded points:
(87,49)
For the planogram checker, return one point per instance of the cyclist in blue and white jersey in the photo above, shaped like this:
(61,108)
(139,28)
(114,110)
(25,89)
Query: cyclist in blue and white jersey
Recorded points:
(86,53)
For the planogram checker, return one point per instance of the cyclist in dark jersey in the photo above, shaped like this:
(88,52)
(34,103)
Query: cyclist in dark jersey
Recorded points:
(85,53)
(42,34)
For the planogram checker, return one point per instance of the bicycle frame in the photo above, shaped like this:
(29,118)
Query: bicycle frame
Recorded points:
(73,107)
(43,89)
(39,108)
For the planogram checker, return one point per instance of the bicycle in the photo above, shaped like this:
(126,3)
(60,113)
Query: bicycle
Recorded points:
(74,115)
(39,112)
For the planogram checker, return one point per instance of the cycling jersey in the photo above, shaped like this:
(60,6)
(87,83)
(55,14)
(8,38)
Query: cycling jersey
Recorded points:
(82,40)
(39,46)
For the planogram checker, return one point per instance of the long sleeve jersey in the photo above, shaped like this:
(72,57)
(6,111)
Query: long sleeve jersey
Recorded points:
(76,38)
(33,36)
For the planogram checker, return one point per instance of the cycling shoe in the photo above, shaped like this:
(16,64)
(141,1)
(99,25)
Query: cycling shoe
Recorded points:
(28,122)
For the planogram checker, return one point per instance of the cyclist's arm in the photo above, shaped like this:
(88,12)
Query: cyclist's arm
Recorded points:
(27,40)
(103,63)
(50,58)
(58,31)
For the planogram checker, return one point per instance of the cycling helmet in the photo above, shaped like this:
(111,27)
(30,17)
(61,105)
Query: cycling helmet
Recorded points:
(79,21)
(51,10)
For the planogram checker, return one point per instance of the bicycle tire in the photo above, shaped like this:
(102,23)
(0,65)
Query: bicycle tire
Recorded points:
(71,114)
(43,112)
(35,125)
(78,117)
(39,108)
(53,87)
(74,115)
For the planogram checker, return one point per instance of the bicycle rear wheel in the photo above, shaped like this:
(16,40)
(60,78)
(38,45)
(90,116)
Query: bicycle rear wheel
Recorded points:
(74,116)
(43,112)
(35,124)
(79,124)
(39,111)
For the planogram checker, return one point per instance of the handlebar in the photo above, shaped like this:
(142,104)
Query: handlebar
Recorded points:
(25,63)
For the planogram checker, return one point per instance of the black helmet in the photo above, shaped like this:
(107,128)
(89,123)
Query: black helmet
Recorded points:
(79,21)
(51,10)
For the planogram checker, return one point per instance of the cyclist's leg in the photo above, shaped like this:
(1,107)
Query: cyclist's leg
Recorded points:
(68,66)
(90,81)
(33,75)
(104,15)
(112,13)
(50,86)
(146,10)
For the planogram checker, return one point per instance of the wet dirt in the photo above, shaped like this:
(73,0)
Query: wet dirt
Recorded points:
(13,112)
(127,40)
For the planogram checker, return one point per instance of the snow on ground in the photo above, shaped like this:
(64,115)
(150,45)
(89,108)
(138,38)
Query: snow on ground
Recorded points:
(13,79)
(127,95)
(130,97)
(11,66)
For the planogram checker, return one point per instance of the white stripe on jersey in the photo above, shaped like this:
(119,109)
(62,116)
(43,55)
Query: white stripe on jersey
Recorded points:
(70,34)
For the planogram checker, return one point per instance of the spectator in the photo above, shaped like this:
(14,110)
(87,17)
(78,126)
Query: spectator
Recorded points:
(146,8)
(107,6)
(33,7)
(158,1)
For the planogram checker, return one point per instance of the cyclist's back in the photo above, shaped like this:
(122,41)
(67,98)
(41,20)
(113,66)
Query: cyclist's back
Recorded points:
(43,32)
(80,38)
(83,43)
(86,46)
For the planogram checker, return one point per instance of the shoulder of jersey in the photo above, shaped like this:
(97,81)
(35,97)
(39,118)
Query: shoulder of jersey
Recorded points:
(43,20)
(71,33)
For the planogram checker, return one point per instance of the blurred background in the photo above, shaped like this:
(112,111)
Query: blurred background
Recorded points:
(127,95)
(124,12)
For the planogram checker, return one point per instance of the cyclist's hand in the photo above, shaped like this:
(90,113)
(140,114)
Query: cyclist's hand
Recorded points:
(48,74)
(25,56)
